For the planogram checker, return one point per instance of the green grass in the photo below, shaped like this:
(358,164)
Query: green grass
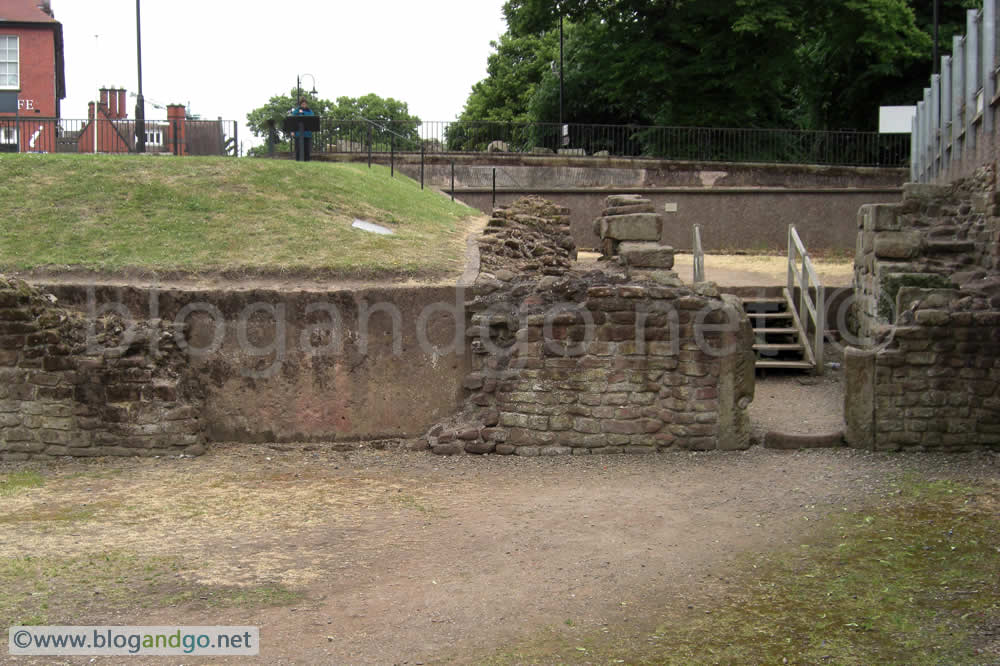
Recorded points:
(910,581)
(15,482)
(244,216)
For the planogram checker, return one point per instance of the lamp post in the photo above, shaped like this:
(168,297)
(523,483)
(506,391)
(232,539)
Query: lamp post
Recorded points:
(140,103)
(298,86)
(934,58)
(299,140)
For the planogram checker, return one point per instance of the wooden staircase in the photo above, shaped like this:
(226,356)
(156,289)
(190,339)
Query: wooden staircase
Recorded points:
(779,338)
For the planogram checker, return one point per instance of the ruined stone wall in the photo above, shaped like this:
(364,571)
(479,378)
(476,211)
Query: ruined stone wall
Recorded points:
(926,370)
(598,362)
(939,236)
(72,387)
(936,383)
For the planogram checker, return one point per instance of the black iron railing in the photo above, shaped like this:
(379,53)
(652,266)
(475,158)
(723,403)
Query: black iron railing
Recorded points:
(846,148)
(67,135)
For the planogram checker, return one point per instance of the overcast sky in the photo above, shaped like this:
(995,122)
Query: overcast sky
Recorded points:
(227,57)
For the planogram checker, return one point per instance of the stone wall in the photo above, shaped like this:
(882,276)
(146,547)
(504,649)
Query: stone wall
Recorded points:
(926,373)
(73,387)
(939,236)
(936,384)
(600,362)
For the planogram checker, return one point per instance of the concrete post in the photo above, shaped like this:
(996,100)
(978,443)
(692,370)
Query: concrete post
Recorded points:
(935,124)
(957,95)
(971,78)
(989,62)
(947,135)
(859,397)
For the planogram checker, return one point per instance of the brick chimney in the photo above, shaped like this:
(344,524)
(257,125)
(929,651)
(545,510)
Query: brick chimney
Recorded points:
(104,101)
(176,130)
(122,104)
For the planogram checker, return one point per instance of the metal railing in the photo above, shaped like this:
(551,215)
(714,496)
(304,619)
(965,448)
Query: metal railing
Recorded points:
(803,276)
(848,148)
(69,135)
(698,254)
(959,101)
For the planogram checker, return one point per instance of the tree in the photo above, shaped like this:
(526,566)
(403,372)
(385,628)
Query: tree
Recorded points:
(738,63)
(357,120)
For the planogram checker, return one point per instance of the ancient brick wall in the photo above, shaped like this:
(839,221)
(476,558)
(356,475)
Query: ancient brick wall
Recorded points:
(936,384)
(73,387)
(926,370)
(939,236)
(598,362)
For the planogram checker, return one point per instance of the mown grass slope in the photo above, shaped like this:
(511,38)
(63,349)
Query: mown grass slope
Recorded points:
(241,216)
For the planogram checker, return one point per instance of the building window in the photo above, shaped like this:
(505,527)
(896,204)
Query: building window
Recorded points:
(9,78)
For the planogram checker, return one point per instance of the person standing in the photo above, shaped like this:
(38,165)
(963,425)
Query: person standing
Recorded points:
(303,150)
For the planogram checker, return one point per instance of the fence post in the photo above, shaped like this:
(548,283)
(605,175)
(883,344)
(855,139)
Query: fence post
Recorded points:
(989,62)
(947,144)
(421,165)
(392,156)
(971,76)
(957,95)
(494,188)
(453,180)
(236,138)
(369,146)
(935,124)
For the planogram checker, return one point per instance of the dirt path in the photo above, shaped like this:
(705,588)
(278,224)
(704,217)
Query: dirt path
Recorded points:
(408,558)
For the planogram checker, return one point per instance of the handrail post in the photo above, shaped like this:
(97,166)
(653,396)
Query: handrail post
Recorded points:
(791,261)
(820,328)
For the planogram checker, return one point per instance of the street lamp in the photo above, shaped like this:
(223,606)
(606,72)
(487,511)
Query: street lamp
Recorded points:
(140,103)
(298,87)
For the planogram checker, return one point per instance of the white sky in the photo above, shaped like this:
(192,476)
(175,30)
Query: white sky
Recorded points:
(227,57)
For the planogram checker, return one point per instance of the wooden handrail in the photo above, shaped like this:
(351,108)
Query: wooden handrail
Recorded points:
(805,278)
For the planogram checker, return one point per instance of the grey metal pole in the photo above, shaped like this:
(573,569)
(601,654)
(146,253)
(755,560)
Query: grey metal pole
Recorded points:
(560,68)
(140,102)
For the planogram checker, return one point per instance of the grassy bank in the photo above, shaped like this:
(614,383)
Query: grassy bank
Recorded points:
(912,580)
(137,213)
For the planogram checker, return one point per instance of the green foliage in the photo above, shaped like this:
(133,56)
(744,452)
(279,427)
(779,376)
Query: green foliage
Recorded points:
(726,63)
(357,120)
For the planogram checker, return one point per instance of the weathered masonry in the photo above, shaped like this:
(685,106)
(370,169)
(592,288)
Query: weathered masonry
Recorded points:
(572,363)
(75,387)
(927,370)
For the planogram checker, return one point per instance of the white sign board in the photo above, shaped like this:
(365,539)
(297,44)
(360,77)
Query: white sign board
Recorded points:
(895,119)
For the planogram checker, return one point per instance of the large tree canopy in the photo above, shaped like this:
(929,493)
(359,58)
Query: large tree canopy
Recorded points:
(742,63)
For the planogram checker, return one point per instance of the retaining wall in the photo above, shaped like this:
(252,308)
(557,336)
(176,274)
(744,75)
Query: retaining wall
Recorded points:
(308,365)
(740,206)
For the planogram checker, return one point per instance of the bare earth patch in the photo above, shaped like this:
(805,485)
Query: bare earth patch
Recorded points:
(372,556)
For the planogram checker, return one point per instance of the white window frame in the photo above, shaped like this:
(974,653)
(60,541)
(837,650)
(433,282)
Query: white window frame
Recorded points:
(8,134)
(17,63)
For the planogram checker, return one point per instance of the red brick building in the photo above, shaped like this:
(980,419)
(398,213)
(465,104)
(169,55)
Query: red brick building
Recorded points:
(32,66)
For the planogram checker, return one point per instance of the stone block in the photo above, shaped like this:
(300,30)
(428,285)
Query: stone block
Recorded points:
(897,244)
(647,255)
(634,227)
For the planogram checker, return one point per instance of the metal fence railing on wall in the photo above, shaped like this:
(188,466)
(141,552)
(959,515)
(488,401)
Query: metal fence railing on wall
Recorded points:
(846,148)
(958,103)
(66,135)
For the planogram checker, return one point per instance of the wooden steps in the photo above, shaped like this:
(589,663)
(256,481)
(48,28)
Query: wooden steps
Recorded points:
(780,341)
